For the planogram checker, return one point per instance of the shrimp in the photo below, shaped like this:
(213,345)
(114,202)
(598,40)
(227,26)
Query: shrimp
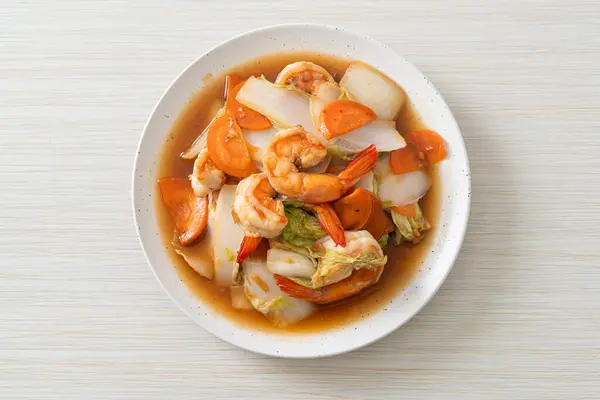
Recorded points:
(341,272)
(205,176)
(294,149)
(359,280)
(304,75)
(256,212)
(337,263)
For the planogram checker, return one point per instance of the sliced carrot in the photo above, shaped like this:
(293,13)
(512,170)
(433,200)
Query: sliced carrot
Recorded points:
(228,149)
(355,209)
(331,223)
(408,210)
(380,222)
(429,143)
(406,160)
(362,210)
(342,116)
(244,116)
(249,244)
(189,213)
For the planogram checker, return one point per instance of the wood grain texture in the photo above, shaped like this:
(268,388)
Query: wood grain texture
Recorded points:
(81,314)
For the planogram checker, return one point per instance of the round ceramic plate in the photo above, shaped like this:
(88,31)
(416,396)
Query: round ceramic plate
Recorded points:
(428,103)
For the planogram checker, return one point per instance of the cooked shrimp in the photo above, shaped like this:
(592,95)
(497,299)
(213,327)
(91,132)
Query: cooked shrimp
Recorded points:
(337,263)
(342,272)
(255,210)
(304,75)
(206,177)
(359,280)
(294,149)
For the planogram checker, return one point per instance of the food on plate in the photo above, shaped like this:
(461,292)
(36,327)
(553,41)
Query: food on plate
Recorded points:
(205,176)
(304,75)
(292,151)
(189,213)
(244,116)
(342,116)
(228,149)
(301,189)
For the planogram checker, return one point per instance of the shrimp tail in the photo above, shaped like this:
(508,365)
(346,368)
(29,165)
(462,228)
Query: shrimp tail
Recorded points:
(249,244)
(355,283)
(363,163)
(331,223)
(295,290)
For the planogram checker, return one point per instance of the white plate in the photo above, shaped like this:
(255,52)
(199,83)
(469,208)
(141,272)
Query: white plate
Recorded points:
(427,101)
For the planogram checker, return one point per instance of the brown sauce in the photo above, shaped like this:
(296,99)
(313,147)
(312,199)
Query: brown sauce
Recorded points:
(403,262)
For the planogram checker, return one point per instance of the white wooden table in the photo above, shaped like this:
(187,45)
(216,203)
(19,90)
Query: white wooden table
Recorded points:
(81,316)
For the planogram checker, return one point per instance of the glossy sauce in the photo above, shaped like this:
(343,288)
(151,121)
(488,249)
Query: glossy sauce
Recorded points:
(403,261)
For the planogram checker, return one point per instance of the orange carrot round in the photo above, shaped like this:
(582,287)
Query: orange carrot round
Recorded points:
(405,160)
(355,209)
(189,213)
(429,143)
(380,222)
(228,149)
(342,116)
(245,117)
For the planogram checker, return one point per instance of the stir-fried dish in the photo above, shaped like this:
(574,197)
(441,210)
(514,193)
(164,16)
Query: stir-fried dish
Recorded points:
(300,186)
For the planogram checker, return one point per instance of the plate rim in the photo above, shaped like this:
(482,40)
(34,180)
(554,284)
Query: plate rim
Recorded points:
(452,257)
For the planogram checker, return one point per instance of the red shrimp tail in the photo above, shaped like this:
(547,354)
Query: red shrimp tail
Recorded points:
(363,163)
(296,290)
(330,221)
(249,244)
